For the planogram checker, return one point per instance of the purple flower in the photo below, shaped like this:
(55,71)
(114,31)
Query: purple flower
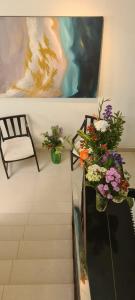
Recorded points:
(107,112)
(105,157)
(112,175)
(118,158)
(103,189)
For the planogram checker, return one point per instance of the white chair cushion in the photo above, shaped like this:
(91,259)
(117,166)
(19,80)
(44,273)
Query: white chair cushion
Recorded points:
(77,148)
(17,148)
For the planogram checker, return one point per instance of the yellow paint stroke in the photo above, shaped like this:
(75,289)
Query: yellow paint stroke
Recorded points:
(54,24)
(46,41)
(50,81)
(38,77)
(28,58)
(47,52)
(44,67)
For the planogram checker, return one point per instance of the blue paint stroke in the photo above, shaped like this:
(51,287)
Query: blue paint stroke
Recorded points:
(71,78)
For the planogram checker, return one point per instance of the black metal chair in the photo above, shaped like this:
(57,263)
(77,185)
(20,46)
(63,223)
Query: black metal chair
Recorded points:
(16,142)
(76,139)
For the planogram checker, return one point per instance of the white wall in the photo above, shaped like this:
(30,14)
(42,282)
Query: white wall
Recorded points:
(117,76)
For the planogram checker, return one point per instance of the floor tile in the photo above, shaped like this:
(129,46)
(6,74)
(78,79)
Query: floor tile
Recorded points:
(50,207)
(48,232)
(42,271)
(51,191)
(45,249)
(5,268)
(36,226)
(13,219)
(18,186)
(39,292)
(8,249)
(15,206)
(44,219)
(11,233)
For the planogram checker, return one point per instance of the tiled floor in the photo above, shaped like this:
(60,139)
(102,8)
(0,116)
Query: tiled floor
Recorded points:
(36,231)
(35,228)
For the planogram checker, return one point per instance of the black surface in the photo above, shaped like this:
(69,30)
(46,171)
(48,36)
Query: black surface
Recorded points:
(110,251)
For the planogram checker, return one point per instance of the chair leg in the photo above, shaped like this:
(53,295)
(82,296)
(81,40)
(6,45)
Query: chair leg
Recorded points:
(71,157)
(4,164)
(35,155)
(5,168)
(37,161)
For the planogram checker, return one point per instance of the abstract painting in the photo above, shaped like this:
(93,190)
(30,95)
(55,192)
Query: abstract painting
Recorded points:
(50,56)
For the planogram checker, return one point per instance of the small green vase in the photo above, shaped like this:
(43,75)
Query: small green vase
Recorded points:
(55,156)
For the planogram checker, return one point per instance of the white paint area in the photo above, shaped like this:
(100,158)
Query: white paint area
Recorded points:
(37,29)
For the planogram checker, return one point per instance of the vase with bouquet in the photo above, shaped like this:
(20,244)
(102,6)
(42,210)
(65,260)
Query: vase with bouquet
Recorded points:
(103,164)
(54,142)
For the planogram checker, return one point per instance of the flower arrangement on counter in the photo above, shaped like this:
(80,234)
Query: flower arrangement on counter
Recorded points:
(103,164)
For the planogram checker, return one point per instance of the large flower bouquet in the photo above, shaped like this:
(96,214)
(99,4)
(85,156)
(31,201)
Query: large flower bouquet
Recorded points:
(103,164)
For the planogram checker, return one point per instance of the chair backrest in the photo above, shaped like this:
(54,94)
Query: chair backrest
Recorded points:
(13,126)
(88,121)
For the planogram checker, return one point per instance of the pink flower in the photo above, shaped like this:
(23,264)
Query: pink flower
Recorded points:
(109,178)
(112,175)
(109,196)
(106,188)
(114,184)
(116,189)
(101,189)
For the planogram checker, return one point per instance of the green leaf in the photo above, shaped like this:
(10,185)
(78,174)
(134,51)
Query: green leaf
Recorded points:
(101,203)
(84,135)
(130,201)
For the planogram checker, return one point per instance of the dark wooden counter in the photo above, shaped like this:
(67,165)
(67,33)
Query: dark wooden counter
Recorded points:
(110,250)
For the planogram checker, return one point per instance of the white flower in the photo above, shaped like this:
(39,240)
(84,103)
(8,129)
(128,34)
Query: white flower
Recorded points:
(97,168)
(90,150)
(46,139)
(101,125)
(61,140)
(95,173)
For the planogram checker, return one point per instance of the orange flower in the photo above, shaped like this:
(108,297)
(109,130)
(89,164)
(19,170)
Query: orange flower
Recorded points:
(84,154)
(124,185)
(81,163)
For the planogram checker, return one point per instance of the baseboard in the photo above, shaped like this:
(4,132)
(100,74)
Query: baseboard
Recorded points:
(120,149)
(124,149)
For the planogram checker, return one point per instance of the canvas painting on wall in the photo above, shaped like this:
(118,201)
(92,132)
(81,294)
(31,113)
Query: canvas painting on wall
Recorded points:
(50,56)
